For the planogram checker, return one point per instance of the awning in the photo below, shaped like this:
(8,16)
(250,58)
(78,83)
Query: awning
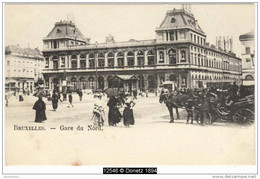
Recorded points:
(126,77)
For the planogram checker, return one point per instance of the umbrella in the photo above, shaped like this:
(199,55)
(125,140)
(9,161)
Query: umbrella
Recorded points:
(111,92)
(40,94)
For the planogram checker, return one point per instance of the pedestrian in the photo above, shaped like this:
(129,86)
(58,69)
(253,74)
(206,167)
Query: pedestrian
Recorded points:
(189,108)
(20,95)
(80,94)
(204,107)
(128,114)
(54,100)
(64,95)
(135,94)
(114,115)
(70,100)
(98,114)
(40,108)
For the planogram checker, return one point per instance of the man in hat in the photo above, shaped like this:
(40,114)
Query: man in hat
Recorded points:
(55,99)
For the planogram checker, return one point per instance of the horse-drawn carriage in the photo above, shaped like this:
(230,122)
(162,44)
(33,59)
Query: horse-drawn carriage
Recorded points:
(240,111)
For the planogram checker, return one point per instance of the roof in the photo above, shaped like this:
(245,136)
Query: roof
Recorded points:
(65,29)
(180,18)
(247,36)
(23,51)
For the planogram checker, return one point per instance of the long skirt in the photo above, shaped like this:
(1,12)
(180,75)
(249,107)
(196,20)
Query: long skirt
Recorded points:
(128,117)
(98,120)
(114,116)
(54,104)
(40,116)
(20,98)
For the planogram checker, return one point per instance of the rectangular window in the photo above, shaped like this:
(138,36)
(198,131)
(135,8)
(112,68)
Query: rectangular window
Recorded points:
(248,50)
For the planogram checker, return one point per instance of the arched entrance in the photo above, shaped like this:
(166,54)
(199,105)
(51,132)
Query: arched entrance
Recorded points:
(110,83)
(100,82)
(173,78)
(151,82)
(55,83)
(91,82)
(141,82)
(74,83)
(82,83)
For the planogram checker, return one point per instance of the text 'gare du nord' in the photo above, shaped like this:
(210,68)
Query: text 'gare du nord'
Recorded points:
(179,53)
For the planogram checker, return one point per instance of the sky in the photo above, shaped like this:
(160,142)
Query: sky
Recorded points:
(28,24)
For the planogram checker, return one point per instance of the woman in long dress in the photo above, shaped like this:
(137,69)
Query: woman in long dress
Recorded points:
(55,99)
(40,108)
(128,114)
(114,115)
(98,114)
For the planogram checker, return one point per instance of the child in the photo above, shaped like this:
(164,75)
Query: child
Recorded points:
(98,114)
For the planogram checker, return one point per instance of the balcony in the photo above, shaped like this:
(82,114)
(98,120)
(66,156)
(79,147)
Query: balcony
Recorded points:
(118,68)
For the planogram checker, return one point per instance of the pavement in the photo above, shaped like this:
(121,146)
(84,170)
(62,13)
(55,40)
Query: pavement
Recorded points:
(68,141)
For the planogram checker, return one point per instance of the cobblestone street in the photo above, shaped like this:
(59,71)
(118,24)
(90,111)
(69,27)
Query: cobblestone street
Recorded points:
(152,140)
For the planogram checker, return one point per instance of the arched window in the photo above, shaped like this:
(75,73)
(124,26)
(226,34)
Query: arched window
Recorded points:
(172,57)
(141,82)
(130,59)
(150,56)
(249,77)
(110,59)
(55,60)
(91,60)
(120,59)
(101,60)
(151,82)
(82,60)
(161,57)
(140,58)
(74,61)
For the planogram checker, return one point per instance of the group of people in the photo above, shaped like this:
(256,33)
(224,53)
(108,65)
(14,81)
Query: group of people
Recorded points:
(114,115)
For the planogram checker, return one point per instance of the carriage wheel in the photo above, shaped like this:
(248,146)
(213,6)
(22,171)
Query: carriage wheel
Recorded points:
(244,116)
(207,118)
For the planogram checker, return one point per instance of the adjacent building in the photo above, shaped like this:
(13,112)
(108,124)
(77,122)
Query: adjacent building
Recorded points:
(248,58)
(180,53)
(23,67)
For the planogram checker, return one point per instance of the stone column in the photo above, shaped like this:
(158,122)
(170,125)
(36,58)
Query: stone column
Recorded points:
(180,80)
(145,58)
(78,61)
(59,62)
(164,36)
(87,61)
(105,82)
(51,63)
(115,60)
(135,58)
(145,82)
(106,62)
(165,56)
(157,56)
(66,61)
(69,61)
(50,83)
(125,58)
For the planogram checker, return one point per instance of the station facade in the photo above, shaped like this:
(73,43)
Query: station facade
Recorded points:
(179,53)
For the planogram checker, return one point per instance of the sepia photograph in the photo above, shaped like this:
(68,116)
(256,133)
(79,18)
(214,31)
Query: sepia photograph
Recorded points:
(129,85)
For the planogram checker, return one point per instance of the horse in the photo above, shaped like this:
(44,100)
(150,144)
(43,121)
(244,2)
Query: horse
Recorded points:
(176,101)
